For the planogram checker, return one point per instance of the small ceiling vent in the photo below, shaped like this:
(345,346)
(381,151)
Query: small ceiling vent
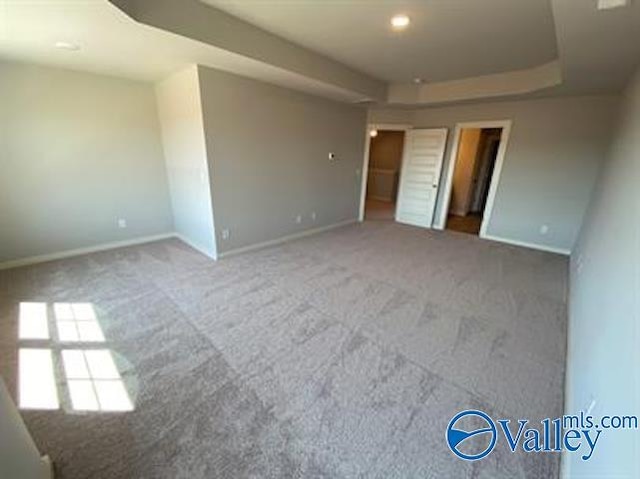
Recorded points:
(610,4)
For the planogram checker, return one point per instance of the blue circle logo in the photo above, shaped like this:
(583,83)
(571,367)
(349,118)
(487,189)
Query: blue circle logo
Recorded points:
(483,431)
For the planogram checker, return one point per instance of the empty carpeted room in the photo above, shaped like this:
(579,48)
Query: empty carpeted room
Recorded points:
(319,239)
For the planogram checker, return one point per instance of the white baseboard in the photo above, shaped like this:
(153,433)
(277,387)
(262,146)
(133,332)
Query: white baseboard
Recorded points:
(284,239)
(549,249)
(148,239)
(43,258)
(198,248)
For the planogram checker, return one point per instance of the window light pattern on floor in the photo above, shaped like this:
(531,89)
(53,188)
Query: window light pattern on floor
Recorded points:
(77,322)
(94,381)
(33,322)
(36,379)
(91,375)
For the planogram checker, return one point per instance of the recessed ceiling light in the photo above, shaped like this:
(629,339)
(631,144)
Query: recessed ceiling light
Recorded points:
(418,81)
(62,45)
(373,133)
(609,4)
(400,22)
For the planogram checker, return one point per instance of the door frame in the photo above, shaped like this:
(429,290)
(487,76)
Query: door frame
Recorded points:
(365,163)
(505,125)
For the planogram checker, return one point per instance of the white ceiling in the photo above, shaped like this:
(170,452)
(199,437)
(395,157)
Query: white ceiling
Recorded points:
(114,44)
(599,50)
(497,48)
(446,40)
(110,41)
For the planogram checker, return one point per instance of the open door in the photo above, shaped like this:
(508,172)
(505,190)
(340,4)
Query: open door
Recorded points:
(420,176)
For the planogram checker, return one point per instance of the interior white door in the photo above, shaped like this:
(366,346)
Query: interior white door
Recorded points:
(420,175)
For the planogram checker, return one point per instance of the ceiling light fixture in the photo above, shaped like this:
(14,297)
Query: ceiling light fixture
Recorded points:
(373,133)
(400,22)
(62,45)
(418,81)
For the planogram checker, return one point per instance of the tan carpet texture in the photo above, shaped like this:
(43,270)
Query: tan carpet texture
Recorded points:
(341,355)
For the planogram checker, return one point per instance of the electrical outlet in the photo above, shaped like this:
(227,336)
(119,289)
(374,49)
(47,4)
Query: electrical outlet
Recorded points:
(544,229)
(299,219)
(225,234)
(122,223)
(313,216)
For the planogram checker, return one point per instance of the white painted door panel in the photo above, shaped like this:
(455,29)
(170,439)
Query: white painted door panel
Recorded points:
(420,175)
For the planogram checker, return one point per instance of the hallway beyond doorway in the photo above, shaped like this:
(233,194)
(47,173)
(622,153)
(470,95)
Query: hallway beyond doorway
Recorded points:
(377,210)
(465,224)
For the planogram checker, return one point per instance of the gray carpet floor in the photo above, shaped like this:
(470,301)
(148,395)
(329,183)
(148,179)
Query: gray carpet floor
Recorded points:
(340,355)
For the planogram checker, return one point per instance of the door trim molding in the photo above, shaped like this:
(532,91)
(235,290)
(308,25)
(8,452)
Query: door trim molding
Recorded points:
(365,161)
(495,177)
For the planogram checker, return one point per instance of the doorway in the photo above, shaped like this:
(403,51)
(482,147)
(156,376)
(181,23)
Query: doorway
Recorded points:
(406,190)
(474,171)
(383,176)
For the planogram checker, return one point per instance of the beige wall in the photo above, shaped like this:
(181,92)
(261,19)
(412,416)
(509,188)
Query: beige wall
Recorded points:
(268,151)
(77,152)
(19,456)
(463,172)
(554,154)
(385,151)
(603,356)
(180,112)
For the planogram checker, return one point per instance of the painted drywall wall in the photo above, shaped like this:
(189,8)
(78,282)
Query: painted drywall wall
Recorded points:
(604,305)
(19,456)
(463,171)
(385,150)
(554,153)
(185,152)
(385,158)
(268,151)
(245,44)
(77,152)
